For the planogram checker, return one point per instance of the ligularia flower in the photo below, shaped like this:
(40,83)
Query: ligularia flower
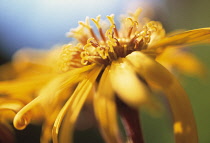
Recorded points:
(117,70)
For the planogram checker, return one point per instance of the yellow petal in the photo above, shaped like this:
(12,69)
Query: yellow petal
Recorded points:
(8,108)
(184,123)
(184,62)
(10,104)
(127,85)
(52,109)
(48,98)
(105,109)
(24,87)
(27,57)
(67,117)
(151,70)
(62,89)
(188,37)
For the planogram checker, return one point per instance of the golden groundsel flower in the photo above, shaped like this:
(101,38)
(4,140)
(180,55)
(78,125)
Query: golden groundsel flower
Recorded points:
(120,64)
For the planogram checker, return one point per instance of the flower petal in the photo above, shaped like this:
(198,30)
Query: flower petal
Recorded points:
(149,69)
(8,108)
(127,85)
(188,37)
(24,88)
(27,58)
(49,97)
(9,104)
(184,123)
(69,113)
(105,109)
(184,62)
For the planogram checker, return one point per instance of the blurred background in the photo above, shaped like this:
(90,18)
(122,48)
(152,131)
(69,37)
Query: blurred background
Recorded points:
(42,24)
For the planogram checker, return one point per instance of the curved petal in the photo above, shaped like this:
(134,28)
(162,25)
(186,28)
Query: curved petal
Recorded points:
(26,58)
(24,88)
(184,62)
(8,108)
(51,113)
(49,97)
(10,104)
(184,123)
(127,85)
(105,109)
(188,37)
(67,117)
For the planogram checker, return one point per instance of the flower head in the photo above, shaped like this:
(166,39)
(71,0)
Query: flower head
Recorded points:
(118,69)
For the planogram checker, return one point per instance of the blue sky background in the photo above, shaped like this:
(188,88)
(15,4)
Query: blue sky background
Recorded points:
(43,23)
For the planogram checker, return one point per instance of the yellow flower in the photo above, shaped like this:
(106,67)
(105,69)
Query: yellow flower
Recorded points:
(117,70)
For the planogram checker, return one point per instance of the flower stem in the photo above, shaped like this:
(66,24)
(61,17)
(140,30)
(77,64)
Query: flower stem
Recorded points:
(6,134)
(130,121)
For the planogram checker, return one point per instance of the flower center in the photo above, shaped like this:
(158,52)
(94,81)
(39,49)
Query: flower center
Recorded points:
(114,44)
(111,44)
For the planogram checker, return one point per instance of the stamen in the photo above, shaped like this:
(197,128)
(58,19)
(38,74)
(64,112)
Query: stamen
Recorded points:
(139,44)
(102,35)
(96,59)
(109,35)
(130,31)
(84,62)
(96,21)
(87,25)
(133,23)
(111,20)
(103,52)
(69,57)
(125,50)
(84,58)
(133,37)
(94,44)
(93,34)
(111,49)
(79,34)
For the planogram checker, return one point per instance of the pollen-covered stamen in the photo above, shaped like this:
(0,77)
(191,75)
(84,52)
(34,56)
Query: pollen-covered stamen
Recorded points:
(79,34)
(111,20)
(111,54)
(87,25)
(96,21)
(94,53)
(139,45)
(116,47)
(143,37)
(113,43)
(102,51)
(70,57)
(133,24)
